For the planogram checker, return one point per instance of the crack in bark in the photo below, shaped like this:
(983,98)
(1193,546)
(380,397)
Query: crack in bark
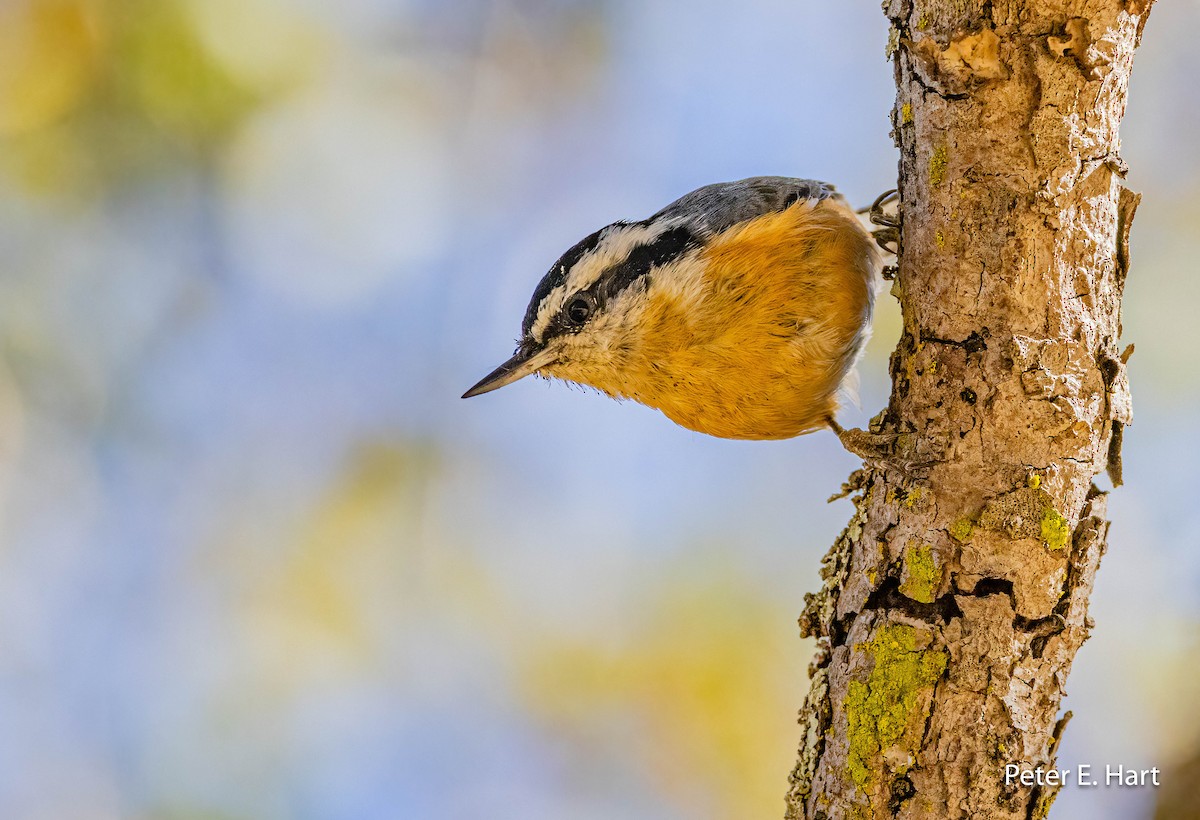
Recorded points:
(889,597)
(976,342)
(925,84)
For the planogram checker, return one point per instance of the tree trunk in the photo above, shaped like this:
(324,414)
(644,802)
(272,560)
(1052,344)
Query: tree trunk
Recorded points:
(956,599)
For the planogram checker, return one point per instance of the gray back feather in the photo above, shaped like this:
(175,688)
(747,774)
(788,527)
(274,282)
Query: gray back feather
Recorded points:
(713,208)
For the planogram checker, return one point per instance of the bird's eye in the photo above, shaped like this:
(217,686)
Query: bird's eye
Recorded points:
(579,310)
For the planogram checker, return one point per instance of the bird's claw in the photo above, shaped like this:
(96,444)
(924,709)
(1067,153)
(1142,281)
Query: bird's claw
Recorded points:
(887,234)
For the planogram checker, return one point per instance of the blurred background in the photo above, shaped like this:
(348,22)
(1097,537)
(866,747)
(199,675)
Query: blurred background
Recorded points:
(257,559)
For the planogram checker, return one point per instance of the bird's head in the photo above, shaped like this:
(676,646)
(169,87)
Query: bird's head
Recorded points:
(587,316)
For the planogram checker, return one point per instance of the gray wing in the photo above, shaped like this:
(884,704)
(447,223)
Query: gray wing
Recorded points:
(713,208)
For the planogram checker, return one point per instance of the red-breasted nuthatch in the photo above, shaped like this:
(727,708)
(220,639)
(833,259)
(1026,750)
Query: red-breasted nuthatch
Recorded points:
(737,310)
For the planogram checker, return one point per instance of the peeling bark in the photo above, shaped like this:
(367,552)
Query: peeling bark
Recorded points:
(956,599)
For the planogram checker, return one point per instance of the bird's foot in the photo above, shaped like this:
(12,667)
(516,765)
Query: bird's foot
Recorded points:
(881,451)
(887,234)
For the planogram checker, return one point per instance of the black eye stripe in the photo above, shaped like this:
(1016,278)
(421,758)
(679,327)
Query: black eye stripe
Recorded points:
(666,247)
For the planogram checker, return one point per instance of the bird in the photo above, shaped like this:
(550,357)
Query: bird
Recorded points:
(738,310)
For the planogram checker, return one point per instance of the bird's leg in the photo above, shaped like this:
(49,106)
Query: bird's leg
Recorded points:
(873,448)
(879,450)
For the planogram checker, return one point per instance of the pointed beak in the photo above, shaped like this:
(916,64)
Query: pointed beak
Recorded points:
(524,362)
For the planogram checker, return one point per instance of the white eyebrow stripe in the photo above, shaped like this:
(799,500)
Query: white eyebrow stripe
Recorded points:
(614,247)
(616,243)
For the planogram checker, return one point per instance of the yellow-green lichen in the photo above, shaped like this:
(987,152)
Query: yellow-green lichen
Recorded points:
(1056,533)
(961,530)
(907,497)
(939,239)
(1035,480)
(893,42)
(922,577)
(910,362)
(923,22)
(937,165)
(881,710)
(906,114)
(1045,801)
(1027,512)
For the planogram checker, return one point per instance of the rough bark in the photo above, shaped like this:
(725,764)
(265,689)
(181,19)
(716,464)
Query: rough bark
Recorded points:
(956,599)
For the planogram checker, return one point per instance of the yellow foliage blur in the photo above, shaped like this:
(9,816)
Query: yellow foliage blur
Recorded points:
(92,91)
(713,680)
(49,53)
